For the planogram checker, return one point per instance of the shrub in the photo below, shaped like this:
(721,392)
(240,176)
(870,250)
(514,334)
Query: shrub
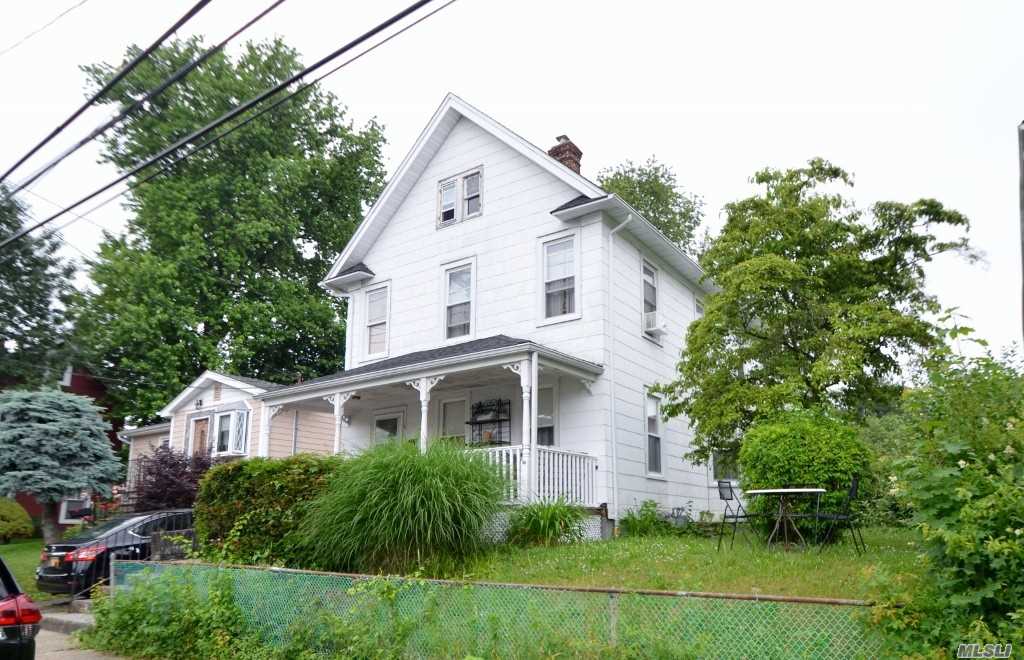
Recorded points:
(546,523)
(247,511)
(965,480)
(803,448)
(645,521)
(169,479)
(14,521)
(891,440)
(393,508)
(171,618)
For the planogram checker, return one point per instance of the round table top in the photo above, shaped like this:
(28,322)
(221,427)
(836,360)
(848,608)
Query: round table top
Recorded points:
(782,491)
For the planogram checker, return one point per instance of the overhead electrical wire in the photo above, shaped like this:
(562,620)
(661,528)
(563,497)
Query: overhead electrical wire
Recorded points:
(117,77)
(228,116)
(125,111)
(43,27)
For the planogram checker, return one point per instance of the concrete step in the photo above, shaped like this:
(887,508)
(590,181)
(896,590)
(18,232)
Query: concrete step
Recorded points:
(67,622)
(81,606)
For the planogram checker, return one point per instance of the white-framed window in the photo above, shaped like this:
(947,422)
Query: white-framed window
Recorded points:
(454,414)
(546,416)
(560,277)
(74,510)
(458,307)
(388,426)
(653,415)
(231,432)
(460,197)
(377,307)
(650,277)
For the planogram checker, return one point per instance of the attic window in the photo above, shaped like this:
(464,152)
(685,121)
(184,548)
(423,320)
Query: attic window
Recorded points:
(460,198)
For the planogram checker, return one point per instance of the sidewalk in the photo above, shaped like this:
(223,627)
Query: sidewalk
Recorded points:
(52,645)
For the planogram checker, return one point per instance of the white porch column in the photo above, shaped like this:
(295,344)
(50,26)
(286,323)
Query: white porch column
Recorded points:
(267,414)
(423,386)
(534,400)
(338,400)
(526,470)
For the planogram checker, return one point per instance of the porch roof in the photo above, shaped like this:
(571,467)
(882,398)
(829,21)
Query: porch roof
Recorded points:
(497,346)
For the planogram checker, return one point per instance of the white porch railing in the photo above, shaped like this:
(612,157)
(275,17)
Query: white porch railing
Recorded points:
(560,473)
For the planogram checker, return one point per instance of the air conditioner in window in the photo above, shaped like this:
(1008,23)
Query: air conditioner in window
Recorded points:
(653,325)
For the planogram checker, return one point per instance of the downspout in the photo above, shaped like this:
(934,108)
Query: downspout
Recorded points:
(611,368)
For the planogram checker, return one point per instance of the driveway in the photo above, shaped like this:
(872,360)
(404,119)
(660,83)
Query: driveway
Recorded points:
(52,645)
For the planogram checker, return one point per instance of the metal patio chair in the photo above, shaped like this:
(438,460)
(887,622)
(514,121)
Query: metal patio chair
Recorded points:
(846,515)
(734,511)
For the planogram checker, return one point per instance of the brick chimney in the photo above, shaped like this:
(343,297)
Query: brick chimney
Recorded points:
(567,153)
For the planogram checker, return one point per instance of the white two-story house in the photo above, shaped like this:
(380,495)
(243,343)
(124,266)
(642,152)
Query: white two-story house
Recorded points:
(496,296)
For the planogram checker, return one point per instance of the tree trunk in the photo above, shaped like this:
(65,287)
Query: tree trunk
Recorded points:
(49,521)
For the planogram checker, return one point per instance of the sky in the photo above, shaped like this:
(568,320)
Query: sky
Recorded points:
(916,99)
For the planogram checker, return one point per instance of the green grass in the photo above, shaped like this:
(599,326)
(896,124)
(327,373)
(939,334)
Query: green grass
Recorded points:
(22,557)
(691,563)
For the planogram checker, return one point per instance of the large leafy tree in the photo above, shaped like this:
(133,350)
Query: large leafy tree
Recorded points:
(34,287)
(220,264)
(54,445)
(651,188)
(818,303)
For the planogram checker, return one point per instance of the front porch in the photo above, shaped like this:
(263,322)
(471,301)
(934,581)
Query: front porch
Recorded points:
(528,410)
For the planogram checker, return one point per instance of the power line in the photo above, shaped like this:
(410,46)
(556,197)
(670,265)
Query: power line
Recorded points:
(228,116)
(125,70)
(182,71)
(43,27)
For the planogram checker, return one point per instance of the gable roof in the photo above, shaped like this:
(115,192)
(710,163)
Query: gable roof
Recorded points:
(251,386)
(426,146)
(348,266)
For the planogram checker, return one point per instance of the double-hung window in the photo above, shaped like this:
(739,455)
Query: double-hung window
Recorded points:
(650,289)
(460,198)
(653,412)
(458,312)
(546,416)
(223,433)
(377,322)
(560,277)
(453,420)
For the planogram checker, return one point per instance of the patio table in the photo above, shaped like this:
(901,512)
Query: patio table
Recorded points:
(784,518)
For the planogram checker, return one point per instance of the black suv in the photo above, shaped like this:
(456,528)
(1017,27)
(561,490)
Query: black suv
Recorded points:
(19,619)
(75,565)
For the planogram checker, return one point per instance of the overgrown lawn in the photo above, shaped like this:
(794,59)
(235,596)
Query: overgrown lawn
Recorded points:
(692,563)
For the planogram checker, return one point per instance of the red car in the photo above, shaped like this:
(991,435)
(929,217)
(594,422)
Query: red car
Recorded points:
(19,619)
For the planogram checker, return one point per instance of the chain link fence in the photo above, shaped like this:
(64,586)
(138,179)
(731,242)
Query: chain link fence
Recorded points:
(437,618)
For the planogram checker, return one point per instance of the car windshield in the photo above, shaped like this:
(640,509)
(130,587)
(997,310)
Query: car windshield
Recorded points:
(93,533)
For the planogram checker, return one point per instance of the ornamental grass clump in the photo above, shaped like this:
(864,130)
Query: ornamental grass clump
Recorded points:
(394,509)
(546,523)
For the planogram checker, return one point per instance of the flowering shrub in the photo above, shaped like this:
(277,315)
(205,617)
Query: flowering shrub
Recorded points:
(965,481)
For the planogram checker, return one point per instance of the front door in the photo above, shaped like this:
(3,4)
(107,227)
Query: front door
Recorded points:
(200,433)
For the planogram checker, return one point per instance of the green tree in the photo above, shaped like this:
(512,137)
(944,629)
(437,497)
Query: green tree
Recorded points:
(54,445)
(652,189)
(222,259)
(818,301)
(34,288)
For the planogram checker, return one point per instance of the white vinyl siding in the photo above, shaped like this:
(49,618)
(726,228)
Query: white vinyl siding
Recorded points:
(377,322)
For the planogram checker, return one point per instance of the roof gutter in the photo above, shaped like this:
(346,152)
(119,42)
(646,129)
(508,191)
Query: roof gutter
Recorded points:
(611,369)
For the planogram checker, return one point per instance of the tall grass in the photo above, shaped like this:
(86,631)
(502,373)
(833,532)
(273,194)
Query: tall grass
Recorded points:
(395,509)
(546,523)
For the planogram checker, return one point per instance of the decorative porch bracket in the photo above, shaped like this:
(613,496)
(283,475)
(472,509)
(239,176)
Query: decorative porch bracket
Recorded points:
(338,400)
(269,413)
(423,386)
